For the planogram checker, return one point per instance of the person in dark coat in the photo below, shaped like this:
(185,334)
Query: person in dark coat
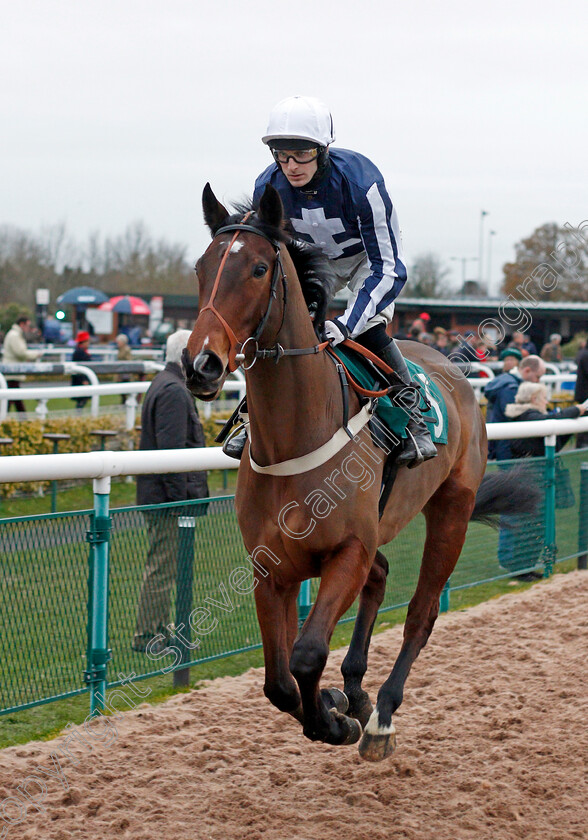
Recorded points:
(581,391)
(502,390)
(81,355)
(527,534)
(169,420)
(531,404)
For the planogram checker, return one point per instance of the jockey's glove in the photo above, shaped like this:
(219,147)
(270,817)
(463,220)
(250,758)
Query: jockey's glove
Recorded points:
(335,331)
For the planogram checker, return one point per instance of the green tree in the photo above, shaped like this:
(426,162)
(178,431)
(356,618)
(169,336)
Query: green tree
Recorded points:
(9,312)
(134,264)
(25,265)
(550,264)
(428,277)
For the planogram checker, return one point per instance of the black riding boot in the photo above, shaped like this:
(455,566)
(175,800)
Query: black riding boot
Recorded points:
(236,435)
(418,446)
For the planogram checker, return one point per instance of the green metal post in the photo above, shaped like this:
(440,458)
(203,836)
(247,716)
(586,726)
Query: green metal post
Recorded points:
(444,598)
(98,652)
(56,437)
(304,602)
(583,517)
(185,579)
(5,442)
(549,547)
(54,483)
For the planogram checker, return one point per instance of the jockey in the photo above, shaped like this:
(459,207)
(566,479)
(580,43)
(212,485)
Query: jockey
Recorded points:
(337,199)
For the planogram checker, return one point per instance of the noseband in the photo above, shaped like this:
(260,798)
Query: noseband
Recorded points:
(237,358)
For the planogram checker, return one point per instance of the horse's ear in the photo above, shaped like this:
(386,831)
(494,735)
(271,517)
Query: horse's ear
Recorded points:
(214,212)
(271,210)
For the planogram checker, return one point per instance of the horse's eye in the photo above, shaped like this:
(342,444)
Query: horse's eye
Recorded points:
(259,270)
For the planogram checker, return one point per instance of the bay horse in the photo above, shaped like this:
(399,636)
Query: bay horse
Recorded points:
(302,517)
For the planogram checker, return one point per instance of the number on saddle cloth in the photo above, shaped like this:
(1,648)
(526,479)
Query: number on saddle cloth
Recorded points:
(392,415)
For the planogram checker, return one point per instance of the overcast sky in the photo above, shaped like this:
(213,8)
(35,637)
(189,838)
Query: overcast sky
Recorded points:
(121,110)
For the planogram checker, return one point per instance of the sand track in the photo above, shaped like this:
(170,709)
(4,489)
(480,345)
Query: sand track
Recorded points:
(492,743)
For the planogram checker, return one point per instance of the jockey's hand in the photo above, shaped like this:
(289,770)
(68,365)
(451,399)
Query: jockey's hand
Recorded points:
(335,332)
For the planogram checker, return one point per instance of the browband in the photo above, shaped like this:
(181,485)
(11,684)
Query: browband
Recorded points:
(248,229)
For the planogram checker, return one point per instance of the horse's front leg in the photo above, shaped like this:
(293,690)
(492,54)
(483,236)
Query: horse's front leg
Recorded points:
(277,616)
(342,578)
(355,663)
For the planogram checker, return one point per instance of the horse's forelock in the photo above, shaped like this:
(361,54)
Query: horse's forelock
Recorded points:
(312,267)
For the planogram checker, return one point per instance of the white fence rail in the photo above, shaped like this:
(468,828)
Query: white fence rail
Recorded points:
(101,465)
(43,393)
(553,381)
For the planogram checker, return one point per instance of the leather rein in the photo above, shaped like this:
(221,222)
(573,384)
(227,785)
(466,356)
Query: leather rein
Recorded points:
(237,355)
(236,348)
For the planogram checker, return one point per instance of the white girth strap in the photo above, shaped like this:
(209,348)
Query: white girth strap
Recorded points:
(296,466)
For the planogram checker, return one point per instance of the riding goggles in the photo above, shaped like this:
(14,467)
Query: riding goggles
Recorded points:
(297,155)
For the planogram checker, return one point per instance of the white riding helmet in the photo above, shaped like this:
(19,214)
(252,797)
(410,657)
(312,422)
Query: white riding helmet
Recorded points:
(300,118)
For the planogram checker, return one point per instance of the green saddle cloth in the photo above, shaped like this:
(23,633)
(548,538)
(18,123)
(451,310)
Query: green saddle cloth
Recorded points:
(393,417)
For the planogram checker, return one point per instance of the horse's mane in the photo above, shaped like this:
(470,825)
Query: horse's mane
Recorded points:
(312,267)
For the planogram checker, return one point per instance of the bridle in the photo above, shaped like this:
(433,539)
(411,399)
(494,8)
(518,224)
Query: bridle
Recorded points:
(236,348)
(237,355)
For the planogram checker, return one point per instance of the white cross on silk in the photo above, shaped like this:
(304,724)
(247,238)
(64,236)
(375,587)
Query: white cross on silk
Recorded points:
(321,230)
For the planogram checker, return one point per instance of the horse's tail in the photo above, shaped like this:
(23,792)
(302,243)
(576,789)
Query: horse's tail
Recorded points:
(514,491)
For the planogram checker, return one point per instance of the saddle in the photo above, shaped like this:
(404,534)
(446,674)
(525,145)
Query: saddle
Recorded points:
(368,380)
(390,420)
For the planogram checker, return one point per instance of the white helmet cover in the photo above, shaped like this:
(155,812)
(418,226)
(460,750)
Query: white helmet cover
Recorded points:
(300,118)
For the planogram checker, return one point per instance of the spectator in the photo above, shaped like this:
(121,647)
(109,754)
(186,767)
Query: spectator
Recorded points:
(454,339)
(441,341)
(581,391)
(529,346)
(124,355)
(124,351)
(531,404)
(169,420)
(483,352)
(491,351)
(81,355)
(465,350)
(521,545)
(551,352)
(510,358)
(522,343)
(503,390)
(16,352)
(427,338)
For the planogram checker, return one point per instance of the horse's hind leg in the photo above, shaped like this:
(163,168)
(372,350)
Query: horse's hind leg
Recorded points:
(447,515)
(355,663)
(277,616)
(342,578)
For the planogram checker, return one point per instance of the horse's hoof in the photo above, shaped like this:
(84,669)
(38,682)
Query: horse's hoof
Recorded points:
(335,699)
(353,727)
(378,742)
(361,710)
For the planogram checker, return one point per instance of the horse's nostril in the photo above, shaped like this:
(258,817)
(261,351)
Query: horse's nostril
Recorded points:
(199,363)
(208,366)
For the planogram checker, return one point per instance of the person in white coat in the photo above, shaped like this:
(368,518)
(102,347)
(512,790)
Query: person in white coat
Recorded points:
(15,351)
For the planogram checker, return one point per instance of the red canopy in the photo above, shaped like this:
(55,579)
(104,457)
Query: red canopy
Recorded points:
(126,304)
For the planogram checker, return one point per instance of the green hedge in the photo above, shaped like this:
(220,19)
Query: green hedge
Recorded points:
(27,436)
